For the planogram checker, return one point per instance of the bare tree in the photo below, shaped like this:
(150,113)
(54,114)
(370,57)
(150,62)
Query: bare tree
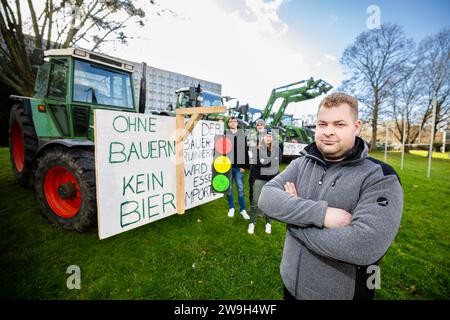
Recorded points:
(374,63)
(434,73)
(404,103)
(58,24)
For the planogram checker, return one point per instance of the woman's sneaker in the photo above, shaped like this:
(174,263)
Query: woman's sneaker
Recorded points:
(268,228)
(251,228)
(245,215)
(231,213)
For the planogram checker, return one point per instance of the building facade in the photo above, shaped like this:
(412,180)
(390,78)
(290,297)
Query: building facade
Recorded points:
(162,84)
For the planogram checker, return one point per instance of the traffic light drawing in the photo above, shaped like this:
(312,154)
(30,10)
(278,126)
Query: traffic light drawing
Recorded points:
(221,168)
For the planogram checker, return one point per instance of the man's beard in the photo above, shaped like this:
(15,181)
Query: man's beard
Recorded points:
(335,156)
(341,154)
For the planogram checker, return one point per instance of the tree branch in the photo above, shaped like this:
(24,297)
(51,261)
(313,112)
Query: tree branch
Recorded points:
(97,43)
(37,35)
(50,25)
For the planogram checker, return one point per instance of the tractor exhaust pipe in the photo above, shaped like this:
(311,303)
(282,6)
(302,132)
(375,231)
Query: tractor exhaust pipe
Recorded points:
(143,89)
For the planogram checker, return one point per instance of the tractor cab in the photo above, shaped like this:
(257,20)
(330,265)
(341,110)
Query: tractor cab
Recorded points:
(197,97)
(52,132)
(287,120)
(70,84)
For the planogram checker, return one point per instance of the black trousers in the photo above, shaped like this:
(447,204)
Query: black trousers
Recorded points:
(251,181)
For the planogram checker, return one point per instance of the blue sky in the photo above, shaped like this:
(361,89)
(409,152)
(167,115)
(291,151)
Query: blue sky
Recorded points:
(334,24)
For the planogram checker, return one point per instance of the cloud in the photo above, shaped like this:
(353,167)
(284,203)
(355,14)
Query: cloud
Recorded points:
(330,57)
(266,14)
(248,53)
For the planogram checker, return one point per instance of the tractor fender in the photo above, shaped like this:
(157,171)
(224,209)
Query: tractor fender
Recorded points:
(66,143)
(25,101)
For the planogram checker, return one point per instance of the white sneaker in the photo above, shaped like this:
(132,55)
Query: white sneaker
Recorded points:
(251,228)
(245,215)
(268,228)
(231,213)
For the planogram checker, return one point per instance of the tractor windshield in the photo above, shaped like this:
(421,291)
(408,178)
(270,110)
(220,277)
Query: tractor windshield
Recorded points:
(211,100)
(95,84)
(286,120)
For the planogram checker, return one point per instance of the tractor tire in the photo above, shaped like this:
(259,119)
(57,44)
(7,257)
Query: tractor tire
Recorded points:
(65,188)
(23,144)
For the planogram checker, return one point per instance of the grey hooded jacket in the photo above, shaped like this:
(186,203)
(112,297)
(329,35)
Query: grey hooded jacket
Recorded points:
(333,263)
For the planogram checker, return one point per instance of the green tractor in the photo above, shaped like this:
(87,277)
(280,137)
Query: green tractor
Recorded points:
(51,134)
(197,97)
(294,92)
(293,133)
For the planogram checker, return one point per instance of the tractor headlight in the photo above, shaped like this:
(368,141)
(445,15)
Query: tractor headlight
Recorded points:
(129,67)
(80,53)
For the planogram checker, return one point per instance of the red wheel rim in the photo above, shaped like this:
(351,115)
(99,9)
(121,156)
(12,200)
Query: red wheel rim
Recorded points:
(64,206)
(17,144)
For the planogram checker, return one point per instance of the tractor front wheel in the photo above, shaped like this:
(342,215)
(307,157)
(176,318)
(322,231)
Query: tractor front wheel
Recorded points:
(65,187)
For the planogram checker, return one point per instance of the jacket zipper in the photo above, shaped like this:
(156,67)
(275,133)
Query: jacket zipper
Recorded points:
(323,176)
(335,180)
(332,183)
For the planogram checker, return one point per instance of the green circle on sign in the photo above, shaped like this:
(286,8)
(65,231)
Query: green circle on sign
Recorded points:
(220,183)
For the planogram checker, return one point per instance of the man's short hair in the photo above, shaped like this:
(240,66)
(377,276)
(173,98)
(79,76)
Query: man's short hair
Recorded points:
(260,122)
(337,98)
(231,118)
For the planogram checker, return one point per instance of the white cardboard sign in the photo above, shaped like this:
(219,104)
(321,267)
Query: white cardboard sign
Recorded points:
(198,160)
(292,149)
(136,168)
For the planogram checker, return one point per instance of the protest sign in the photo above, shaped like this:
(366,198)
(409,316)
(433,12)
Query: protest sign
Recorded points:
(135,168)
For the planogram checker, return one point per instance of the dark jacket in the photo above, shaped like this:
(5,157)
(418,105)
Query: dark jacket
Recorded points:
(267,162)
(333,263)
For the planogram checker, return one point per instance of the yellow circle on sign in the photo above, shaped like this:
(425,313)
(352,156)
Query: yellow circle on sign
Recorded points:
(222,164)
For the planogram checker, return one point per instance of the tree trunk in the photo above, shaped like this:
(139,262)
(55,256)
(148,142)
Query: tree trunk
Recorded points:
(374,132)
(374,121)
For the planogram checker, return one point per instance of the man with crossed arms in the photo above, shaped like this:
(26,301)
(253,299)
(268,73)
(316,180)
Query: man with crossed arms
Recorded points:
(342,209)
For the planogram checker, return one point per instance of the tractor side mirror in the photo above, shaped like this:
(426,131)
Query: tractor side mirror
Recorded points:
(37,57)
(243,109)
(192,94)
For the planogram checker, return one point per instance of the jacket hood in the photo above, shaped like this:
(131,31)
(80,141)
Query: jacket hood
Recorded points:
(359,152)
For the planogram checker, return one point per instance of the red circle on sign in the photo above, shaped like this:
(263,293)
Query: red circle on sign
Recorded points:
(223,145)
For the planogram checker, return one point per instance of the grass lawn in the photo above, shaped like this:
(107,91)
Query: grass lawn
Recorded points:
(437,155)
(206,255)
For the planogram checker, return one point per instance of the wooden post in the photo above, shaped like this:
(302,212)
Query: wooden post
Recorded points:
(182,133)
(179,163)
